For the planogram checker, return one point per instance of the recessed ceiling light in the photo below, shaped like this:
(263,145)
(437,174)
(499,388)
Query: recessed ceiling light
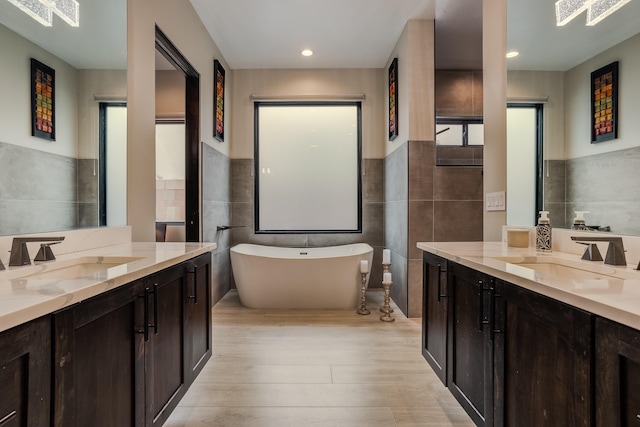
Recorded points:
(307,52)
(512,54)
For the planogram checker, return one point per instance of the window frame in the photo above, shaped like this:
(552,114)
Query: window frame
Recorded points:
(256,164)
(465,121)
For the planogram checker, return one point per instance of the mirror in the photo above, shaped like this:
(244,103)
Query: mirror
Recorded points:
(458,83)
(554,69)
(52,185)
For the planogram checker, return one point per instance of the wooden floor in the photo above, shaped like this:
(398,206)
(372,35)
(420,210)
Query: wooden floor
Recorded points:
(315,368)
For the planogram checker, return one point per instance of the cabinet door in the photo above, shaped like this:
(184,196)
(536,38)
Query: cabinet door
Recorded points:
(25,374)
(198,306)
(434,319)
(470,353)
(98,367)
(165,361)
(543,361)
(617,374)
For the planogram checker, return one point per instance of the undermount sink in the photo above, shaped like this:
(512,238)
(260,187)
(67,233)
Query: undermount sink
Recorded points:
(67,269)
(550,266)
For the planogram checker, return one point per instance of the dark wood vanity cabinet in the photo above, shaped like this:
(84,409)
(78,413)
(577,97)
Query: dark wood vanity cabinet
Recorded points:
(434,321)
(514,357)
(198,310)
(617,374)
(98,361)
(470,349)
(542,360)
(25,374)
(164,295)
(123,358)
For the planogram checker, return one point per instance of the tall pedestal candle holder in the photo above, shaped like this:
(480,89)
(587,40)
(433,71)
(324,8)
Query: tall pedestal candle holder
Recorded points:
(386,309)
(363,298)
(386,268)
(364,269)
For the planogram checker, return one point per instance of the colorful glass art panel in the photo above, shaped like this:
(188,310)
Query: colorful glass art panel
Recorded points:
(604,108)
(42,100)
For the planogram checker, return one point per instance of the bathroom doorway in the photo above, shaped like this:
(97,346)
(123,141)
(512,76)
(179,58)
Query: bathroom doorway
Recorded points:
(170,181)
(524,163)
(170,52)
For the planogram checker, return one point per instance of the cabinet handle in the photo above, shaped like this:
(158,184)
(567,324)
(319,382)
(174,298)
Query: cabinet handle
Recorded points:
(439,288)
(10,416)
(155,308)
(494,295)
(194,277)
(481,317)
(145,311)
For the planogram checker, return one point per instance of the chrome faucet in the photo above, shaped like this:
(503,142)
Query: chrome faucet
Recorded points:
(20,254)
(615,251)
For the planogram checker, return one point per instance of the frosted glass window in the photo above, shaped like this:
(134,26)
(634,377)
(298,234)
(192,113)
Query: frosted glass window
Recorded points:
(448,134)
(307,167)
(476,134)
(459,131)
(115,145)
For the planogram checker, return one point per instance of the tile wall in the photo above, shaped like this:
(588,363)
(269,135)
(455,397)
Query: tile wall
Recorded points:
(425,203)
(38,191)
(606,185)
(216,211)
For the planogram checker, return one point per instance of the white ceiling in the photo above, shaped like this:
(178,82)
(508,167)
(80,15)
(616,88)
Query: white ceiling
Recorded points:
(531,29)
(362,33)
(343,33)
(100,42)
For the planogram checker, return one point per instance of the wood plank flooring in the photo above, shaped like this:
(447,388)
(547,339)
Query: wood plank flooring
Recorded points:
(315,368)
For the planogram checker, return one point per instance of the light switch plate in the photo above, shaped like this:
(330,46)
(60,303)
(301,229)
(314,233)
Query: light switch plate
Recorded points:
(495,201)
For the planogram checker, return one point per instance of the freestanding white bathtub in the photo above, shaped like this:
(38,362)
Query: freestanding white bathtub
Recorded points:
(273,277)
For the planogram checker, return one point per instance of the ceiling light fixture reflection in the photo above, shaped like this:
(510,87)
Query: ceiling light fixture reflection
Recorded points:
(597,10)
(566,10)
(42,10)
(513,54)
(67,10)
(35,9)
(600,9)
(307,52)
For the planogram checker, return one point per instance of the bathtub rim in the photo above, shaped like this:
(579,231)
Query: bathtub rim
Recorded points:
(296,251)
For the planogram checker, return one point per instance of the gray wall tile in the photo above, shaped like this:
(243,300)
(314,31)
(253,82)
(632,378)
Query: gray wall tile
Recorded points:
(421,167)
(38,192)
(242,180)
(607,186)
(373,181)
(458,221)
(458,183)
(215,175)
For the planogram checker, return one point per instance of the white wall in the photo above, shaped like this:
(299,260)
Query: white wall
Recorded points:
(494,46)
(529,86)
(102,83)
(180,23)
(416,111)
(320,83)
(15,87)
(578,101)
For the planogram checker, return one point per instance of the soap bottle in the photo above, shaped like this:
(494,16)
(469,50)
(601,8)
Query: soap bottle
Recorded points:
(579,222)
(543,232)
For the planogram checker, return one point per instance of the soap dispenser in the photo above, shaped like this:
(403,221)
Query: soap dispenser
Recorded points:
(543,232)
(579,223)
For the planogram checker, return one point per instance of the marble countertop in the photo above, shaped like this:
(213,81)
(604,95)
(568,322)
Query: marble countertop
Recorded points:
(26,298)
(617,299)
